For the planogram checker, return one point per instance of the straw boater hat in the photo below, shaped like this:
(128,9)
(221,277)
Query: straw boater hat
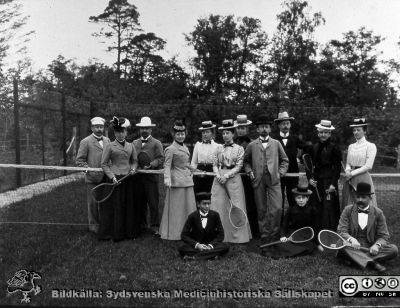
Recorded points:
(301,190)
(241,120)
(228,124)
(145,122)
(179,126)
(97,121)
(283,116)
(325,124)
(359,122)
(363,189)
(263,119)
(207,125)
(120,123)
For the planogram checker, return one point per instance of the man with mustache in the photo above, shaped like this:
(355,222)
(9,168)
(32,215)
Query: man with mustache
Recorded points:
(364,225)
(146,185)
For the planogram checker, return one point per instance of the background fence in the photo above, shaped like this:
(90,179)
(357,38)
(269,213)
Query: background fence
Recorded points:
(43,127)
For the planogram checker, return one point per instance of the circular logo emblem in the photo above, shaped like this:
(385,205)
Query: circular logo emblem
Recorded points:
(367,283)
(380,282)
(349,286)
(392,283)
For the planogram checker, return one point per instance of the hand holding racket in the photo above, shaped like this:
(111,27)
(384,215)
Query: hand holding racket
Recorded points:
(237,216)
(348,180)
(309,166)
(301,235)
(334,241)
(103,191)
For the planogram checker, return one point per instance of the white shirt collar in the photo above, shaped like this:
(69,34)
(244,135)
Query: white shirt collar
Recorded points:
(145,138)
(361,140)
(283,134)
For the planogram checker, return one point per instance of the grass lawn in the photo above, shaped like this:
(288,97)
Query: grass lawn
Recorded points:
(68,257)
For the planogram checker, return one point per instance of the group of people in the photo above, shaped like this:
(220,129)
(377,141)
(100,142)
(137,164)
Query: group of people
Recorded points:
(249,174)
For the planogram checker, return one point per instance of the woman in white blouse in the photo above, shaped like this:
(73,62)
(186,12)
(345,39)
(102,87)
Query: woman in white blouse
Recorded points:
(227,162)
(202,158)
(360,159)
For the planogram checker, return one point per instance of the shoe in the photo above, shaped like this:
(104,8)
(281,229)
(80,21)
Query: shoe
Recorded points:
(379,267)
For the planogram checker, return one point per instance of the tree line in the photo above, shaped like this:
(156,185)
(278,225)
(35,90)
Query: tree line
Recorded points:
(236,63)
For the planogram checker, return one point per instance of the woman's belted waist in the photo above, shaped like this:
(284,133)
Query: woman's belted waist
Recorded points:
(205,167)
(355,167)
(227,167)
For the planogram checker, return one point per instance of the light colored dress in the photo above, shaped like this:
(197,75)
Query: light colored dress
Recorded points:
(179,199)
(360,159)
(228,160)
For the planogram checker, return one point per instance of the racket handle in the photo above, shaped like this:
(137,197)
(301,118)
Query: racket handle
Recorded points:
(269,244)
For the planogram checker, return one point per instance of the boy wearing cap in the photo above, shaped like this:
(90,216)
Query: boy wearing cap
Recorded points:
(203,233)
(326,157)
(265,161)
(291,144)
(364,225)
(89,155)
(202,156)
(146,185)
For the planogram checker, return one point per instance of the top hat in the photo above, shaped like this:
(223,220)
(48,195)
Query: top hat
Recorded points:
(363,189)
(207,125)
(359,122)
(241,120)
(228,124)
(283,116)
(179,126)
(203,196)
(97,121)
(325,124)
(301,190)
(119,123)
(145,122)
(263,119)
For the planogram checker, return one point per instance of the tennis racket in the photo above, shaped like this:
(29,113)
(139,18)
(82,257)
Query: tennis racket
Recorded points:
(301,235)
(309,166)
(143,159)
(332,240)
(237,216)
(349,181)
(103,191)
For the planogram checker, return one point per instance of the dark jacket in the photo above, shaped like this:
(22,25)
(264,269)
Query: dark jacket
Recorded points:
(194,233)
(293,144)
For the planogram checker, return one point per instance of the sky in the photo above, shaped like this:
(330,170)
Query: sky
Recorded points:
(62,27)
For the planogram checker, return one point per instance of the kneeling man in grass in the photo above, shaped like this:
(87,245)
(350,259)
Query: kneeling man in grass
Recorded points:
(364,225)
(203,233)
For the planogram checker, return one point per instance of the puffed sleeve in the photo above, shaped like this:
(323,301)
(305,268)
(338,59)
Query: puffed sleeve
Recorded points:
(239,163)
(371,153)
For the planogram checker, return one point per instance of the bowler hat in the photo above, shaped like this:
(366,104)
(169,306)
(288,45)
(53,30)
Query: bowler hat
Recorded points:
(363,189)
(203,196)
(263,119)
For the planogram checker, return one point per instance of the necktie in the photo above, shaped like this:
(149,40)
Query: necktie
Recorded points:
(363,211)
(228,145)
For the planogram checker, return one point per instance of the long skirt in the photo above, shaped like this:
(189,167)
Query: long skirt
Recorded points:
(179,203)
(348,193)
(290,250)
(119,215)
(328,209)
(220,203)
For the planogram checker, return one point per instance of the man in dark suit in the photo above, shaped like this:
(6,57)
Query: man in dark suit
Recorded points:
(203,233)
(291,144)
(265,161)
(146,185)
(89,155)
(364,225)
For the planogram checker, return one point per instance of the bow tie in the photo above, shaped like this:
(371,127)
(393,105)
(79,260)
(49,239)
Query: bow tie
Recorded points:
(228,145)
(144,140)
(264,140)
(121,142)
(98,138)
(363,211)
(206,142)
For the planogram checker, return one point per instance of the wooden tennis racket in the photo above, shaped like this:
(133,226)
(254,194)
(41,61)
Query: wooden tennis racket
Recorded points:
(309,166)
(103,191)
(301,235)
(331,240)
(237,216)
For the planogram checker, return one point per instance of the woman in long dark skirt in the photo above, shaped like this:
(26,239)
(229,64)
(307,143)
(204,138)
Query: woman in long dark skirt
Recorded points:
(119,217)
